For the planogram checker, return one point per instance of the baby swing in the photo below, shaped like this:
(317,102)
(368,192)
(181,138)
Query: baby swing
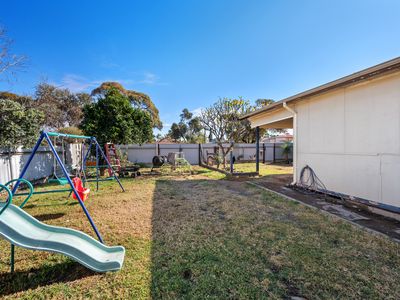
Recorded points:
(77,181)
(57,171)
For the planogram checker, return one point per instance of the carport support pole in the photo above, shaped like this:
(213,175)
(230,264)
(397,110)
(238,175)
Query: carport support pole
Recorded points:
(257,149)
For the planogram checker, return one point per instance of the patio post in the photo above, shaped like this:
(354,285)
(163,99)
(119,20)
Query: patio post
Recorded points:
(257,149)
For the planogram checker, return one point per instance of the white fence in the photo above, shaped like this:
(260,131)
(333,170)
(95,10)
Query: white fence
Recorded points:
(42,163)
(242,152)
(12,165)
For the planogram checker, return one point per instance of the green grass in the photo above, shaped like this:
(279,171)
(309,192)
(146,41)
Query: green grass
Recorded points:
(265,169)
(196,237)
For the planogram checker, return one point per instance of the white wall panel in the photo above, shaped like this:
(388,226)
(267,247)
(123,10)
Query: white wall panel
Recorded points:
(351,138)
(326,123)
(390,171)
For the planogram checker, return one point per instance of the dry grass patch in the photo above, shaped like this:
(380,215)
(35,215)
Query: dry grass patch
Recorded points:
(198,237)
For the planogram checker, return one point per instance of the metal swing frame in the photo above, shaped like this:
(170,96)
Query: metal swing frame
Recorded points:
(55,178)
(92,142)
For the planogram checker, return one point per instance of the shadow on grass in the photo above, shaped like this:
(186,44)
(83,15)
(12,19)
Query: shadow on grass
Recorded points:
(223,239)
(196,251)
(19,281)
(38,204)
(46,217)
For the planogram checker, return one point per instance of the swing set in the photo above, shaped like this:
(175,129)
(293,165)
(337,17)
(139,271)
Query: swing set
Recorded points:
(76,184)
(57,176)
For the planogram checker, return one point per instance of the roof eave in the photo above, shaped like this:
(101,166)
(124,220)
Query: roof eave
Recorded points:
(375,71)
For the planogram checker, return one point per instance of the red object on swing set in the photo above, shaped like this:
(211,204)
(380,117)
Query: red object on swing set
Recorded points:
(82,191)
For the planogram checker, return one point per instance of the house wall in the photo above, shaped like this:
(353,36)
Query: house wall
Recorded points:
(351,138)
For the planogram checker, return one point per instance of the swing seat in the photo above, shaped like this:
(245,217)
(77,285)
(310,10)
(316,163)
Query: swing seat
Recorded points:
(83,192)
(60,181)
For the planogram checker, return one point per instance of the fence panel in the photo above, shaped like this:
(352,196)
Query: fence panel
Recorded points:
(139,153)
(42,164)
(242,152)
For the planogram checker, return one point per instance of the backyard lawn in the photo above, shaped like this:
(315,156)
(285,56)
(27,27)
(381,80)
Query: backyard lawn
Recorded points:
(265,169)
(201,236)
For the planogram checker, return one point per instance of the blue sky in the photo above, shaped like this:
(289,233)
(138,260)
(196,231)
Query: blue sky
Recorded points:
(189,53)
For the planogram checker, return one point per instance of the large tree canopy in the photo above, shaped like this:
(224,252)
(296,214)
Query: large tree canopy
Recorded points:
(137,99)
(19,125)
(113,119)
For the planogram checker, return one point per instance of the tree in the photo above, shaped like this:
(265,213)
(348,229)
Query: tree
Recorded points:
(137,99)
(250,133)
(61,106)
(263,102)
(249,136)
(25,101)
(189,128)
(176,132)
(113,119)
(9,63)
(19,126)
(222,121)
(287,150)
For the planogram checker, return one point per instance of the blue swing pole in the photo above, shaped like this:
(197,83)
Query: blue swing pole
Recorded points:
(97,166)
(73,187)
(109,165)
(28,162)
(86,155)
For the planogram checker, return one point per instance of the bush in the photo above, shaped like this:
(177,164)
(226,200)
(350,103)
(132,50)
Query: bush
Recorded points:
(19,126)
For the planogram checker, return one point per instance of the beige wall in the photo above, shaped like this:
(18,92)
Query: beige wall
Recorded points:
(351,138)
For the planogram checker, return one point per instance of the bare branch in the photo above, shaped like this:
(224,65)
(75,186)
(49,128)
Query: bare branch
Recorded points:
(9,63)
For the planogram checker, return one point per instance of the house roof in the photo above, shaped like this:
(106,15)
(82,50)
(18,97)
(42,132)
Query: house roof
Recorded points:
(377,70)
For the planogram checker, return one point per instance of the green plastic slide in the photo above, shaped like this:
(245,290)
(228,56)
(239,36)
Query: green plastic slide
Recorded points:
(23,230)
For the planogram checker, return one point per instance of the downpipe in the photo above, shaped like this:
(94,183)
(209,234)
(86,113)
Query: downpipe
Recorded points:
(294,114)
